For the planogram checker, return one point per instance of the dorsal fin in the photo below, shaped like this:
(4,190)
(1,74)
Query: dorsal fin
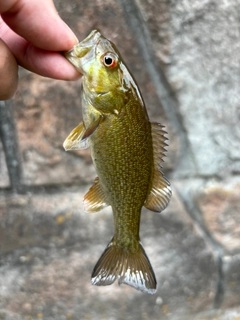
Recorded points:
(95,199)
(159,144)
(160,191)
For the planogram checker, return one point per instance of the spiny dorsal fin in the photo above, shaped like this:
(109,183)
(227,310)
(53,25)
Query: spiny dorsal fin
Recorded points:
(131,268)
(159,143)
(95,200)
(160,191)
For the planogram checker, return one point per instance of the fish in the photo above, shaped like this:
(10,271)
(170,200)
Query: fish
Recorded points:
(127,151)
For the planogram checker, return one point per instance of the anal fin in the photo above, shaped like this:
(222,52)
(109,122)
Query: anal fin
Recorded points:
(95,199)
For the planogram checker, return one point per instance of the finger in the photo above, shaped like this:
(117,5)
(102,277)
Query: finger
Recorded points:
(38,22)
(8,72)
(48,64)
(45,63)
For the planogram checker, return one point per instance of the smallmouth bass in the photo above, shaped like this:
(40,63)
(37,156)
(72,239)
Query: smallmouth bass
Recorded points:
(127,151)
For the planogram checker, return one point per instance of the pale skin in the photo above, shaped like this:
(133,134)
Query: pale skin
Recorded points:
(33,35)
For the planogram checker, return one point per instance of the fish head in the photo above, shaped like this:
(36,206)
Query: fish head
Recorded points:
(104,72)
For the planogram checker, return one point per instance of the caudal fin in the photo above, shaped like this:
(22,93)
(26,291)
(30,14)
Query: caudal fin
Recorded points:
(130,268)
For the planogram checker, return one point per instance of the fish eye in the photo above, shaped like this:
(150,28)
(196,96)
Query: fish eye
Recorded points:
(110,60)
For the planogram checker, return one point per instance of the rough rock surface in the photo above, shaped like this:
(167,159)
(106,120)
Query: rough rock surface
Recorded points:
(4,181)
(185,57)
(49,247)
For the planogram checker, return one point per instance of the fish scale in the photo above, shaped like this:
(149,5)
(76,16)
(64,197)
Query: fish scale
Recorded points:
(117,161)
(126,150)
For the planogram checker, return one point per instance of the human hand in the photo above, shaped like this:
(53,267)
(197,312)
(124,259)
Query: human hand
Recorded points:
(32,35)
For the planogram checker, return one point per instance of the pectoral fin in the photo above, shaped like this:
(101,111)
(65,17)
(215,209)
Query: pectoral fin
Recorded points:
(160,190)
(95,199)
(78,138)
(92,128)
(74,140)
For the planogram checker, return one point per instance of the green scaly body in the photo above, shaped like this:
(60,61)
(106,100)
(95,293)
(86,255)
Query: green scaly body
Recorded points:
(127,151)
(123,156)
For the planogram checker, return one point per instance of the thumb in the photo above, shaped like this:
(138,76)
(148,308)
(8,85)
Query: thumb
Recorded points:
(8,72)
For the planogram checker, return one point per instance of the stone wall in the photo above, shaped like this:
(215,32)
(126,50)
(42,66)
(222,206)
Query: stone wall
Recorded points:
(185,58)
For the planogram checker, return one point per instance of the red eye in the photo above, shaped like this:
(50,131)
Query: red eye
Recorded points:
(110,60)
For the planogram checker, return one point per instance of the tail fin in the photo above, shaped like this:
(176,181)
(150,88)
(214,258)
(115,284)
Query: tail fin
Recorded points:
(132,268)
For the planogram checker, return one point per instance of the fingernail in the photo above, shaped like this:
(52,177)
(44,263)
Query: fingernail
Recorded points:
(74,36)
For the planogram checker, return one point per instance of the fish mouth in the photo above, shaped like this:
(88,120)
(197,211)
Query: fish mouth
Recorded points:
(80,50)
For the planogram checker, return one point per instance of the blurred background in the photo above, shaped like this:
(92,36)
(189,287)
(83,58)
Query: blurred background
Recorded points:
(185,57)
